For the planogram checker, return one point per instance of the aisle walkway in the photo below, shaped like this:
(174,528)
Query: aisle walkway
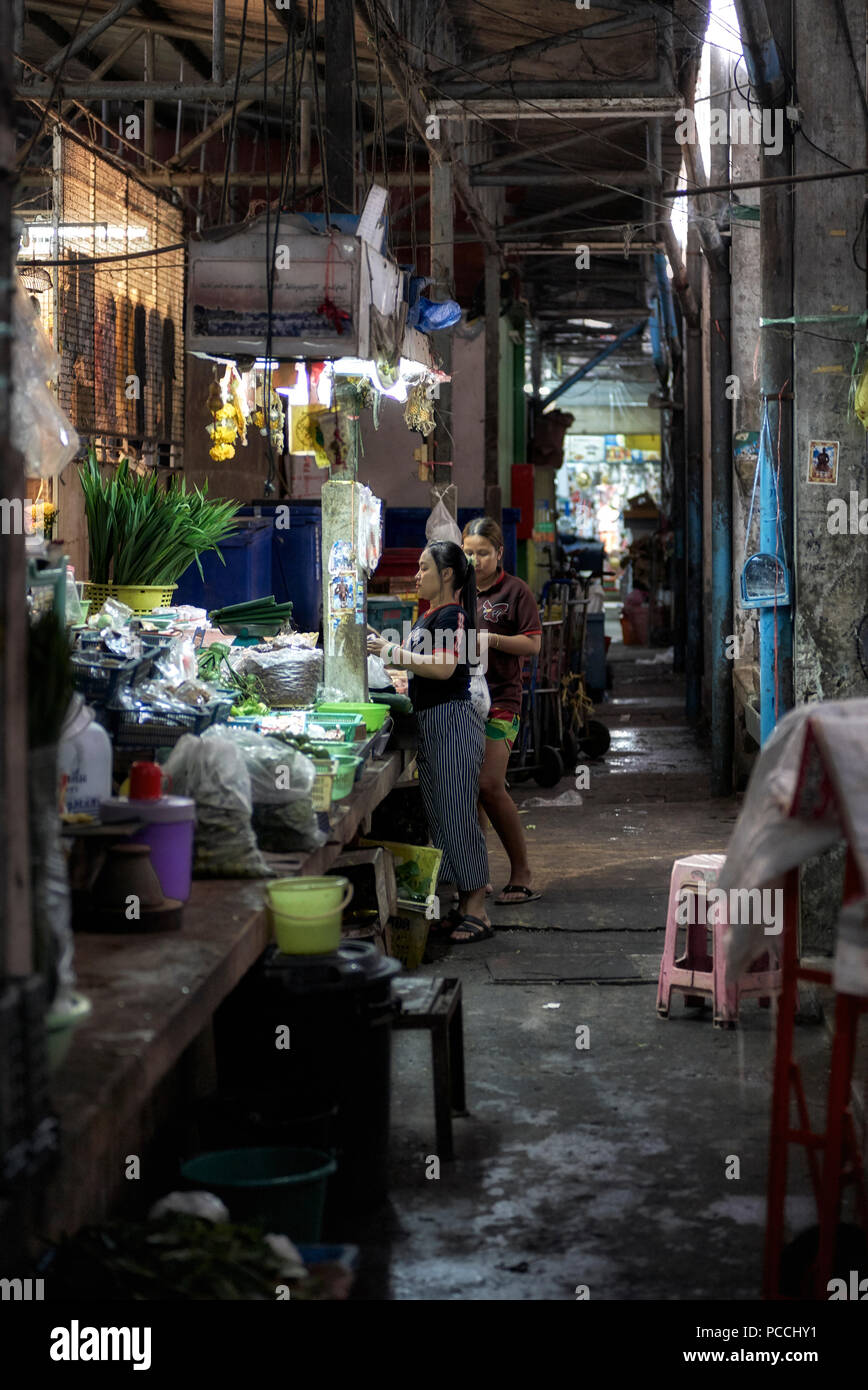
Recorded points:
(606,1166)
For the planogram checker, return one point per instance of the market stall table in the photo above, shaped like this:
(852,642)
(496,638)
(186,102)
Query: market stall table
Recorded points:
(146,1052)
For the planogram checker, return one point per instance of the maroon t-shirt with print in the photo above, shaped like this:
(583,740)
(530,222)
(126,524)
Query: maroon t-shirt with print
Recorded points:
(510,609)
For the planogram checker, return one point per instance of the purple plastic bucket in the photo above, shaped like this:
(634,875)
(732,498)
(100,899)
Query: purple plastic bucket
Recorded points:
(169,833)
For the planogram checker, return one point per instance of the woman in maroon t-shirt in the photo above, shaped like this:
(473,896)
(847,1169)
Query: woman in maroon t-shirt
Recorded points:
(508,611)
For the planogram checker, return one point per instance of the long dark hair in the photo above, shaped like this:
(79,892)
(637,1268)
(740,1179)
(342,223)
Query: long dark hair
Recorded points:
(448,555)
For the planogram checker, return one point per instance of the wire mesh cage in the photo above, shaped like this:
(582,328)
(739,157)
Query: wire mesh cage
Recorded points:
(113,312)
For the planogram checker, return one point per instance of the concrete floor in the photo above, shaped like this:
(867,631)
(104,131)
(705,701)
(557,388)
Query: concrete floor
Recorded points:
(605,1166)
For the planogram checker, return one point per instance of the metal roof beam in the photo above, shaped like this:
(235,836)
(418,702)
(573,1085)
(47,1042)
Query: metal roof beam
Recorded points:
(163,91)
(407,80)
(623,178)
(533,50)
(503,161)
(558,88)
(590,108)
(604,197)
(83,40)
(601,356)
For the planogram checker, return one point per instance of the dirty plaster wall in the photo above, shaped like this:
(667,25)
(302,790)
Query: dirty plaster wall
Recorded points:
(831,570)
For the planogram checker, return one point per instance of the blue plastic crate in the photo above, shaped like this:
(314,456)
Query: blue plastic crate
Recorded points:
(296,561)
(245,575)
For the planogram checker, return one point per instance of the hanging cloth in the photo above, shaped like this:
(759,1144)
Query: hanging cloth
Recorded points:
(168,373)
(140,365)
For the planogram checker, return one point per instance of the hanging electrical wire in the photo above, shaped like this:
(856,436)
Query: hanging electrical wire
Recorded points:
(234,121)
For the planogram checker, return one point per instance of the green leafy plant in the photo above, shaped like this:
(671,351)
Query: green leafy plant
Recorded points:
(141,533)
(49,679)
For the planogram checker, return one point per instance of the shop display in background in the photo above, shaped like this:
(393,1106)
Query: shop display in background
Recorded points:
(116,324)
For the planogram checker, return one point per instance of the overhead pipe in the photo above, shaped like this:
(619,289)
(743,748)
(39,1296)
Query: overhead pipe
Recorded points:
(594,362)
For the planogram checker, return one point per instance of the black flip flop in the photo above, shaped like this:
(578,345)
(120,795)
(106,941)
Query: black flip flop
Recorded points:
(481,930)
(529,895)
(444,926)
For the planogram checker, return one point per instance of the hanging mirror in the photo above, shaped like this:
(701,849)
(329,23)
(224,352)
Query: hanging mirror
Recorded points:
(765,582)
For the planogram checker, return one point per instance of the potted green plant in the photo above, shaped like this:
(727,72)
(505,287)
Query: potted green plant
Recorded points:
(142,536)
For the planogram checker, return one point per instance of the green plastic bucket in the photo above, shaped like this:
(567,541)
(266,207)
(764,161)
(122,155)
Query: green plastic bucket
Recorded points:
(306,913)
(282,1189)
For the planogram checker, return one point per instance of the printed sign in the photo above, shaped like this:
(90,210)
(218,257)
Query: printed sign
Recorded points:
(823,461)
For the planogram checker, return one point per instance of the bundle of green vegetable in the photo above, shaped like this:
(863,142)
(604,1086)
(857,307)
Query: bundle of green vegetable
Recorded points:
(214,666)
(258,612)
(49,679)
(177,1257)
(141,533)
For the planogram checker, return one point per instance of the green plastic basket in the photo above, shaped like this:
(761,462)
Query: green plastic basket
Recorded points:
(347,721)
(374,715)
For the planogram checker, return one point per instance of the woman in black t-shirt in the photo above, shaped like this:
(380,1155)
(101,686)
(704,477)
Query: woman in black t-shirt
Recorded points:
(451,732)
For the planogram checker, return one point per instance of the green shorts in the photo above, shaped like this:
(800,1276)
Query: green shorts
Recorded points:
(503,728)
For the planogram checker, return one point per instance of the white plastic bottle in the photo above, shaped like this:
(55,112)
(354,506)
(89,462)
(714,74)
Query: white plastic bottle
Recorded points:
(84,761)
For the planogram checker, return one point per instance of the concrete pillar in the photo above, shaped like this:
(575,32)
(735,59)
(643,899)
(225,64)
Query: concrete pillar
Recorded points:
(831,577)
(344,637)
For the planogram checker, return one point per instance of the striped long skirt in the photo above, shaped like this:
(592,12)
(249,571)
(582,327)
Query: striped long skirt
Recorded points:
(451,749)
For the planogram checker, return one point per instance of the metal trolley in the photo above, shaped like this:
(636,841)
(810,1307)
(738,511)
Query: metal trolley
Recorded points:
(556,725)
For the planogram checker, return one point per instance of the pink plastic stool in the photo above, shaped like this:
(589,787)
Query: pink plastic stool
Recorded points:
(698,973)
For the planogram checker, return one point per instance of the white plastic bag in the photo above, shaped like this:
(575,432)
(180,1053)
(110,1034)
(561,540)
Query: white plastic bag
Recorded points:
(480,696)
(378,676)
(441,525)
(41,431)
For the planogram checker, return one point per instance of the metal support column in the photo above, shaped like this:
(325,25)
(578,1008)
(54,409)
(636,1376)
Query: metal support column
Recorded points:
(493,499)
(443,278)
(340,104)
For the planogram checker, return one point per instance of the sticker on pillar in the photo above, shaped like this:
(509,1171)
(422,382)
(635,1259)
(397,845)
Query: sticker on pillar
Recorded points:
(342,596)
(823,461)
(342,558)
(745,454)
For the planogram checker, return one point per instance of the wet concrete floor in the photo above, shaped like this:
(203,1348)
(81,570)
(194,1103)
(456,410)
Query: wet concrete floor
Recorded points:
(604,1165)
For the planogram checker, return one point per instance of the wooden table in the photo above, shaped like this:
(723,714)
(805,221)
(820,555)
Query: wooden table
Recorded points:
(146,1052)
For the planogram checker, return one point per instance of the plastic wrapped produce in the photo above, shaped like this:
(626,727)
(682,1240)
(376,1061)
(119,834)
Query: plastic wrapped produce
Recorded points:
(212,771)
(288,676)
(281,783)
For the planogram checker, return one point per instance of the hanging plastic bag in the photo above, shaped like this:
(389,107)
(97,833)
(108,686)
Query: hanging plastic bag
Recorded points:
(480,696)
(441,524)
(378,676)
(41,431)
